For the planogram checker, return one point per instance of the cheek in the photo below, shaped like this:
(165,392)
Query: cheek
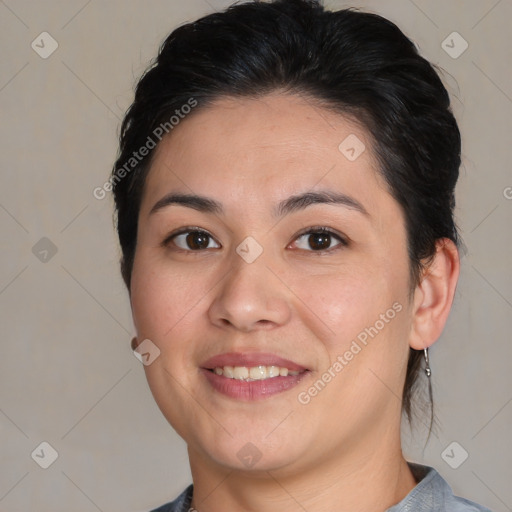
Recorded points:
(348,300)
(365,319)
(163,298)
(166,304)
(361,318)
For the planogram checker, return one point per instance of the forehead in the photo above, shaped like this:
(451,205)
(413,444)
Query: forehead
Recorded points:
(257,150)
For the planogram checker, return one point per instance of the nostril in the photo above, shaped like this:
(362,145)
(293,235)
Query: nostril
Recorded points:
(265,323)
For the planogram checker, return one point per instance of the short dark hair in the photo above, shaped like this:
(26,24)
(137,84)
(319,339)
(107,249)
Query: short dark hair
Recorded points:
(357,63)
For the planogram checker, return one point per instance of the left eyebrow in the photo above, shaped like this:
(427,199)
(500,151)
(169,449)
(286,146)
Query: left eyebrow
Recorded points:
(302,201)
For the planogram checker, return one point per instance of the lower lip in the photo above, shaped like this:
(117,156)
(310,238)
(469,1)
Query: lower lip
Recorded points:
(252,390)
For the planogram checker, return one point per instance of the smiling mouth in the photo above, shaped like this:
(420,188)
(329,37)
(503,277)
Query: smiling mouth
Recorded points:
(252,383)
(251,376)
(252,373)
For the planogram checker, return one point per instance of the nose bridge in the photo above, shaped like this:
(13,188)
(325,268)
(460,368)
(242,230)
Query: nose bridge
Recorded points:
(250,296)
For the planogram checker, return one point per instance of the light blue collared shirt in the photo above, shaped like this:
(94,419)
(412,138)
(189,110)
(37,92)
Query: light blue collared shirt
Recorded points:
(431,494)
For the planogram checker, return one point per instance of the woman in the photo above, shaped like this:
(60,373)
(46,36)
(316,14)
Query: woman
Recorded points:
(285,194)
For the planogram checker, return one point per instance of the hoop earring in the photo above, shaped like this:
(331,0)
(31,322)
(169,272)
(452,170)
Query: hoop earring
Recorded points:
(428,371)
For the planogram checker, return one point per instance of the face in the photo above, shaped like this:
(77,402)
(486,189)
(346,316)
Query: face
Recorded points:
(271,272)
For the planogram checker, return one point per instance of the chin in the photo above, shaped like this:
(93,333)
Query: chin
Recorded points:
(252,452)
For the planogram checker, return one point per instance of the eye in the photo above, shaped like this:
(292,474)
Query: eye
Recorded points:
(319,239)
(192,240)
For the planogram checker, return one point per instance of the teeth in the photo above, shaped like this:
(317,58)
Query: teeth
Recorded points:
(258,372)
(272,371)
(254,372)
(240,372)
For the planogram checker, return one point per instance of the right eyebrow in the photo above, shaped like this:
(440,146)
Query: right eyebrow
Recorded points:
(199,203)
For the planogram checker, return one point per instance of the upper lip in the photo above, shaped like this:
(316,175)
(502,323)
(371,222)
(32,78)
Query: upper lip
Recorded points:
(250,359)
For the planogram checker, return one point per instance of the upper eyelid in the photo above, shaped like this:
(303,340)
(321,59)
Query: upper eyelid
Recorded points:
(187,229)
(320,229)
(343,239)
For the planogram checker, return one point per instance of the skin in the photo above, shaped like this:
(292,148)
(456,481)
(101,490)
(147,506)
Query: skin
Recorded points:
(341,451)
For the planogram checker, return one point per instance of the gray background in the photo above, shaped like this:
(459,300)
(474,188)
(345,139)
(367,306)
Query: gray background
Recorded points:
(68,376)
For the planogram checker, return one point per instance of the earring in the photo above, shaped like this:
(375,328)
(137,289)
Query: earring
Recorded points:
(427,365)
(134,343)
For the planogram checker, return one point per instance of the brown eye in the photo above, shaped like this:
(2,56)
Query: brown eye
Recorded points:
(194,241)
(319,240)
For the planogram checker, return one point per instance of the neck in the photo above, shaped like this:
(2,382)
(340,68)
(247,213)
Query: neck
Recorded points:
(365,481)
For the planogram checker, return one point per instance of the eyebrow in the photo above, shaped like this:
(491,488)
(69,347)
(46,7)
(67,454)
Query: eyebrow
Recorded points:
(285,207)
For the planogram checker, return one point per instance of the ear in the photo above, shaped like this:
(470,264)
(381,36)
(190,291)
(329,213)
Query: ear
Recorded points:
(434,294)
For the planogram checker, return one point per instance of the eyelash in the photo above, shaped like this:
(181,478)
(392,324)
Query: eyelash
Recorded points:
(308,231)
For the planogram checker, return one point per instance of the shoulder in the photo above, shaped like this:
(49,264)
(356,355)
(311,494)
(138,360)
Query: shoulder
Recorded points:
(432,493)
(459,504)
(180,504)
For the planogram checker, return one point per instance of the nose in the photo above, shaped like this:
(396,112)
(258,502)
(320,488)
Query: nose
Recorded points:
(250,298)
